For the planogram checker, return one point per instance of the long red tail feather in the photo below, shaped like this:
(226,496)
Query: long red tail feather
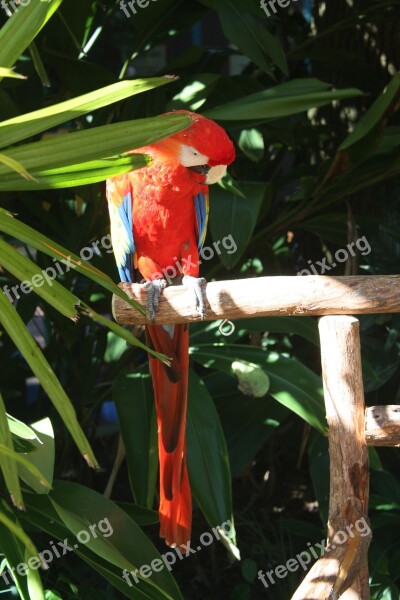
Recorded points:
(170,391)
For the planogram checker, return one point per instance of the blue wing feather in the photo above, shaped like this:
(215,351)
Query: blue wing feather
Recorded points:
(120,208)
(201,205)
(125,213)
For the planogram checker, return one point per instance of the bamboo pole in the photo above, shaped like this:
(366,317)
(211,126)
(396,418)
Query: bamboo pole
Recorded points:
(269,296)
(343,570)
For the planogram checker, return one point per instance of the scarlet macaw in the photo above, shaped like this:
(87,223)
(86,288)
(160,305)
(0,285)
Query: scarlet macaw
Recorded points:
(159,219)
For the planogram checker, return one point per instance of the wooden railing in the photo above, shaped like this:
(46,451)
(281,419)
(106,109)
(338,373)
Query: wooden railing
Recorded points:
(343,571)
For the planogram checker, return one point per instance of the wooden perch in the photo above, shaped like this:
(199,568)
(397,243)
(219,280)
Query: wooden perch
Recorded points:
(382,425)
(343,571)
(269,296)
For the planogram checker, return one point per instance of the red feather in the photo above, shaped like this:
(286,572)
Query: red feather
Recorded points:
(170,392)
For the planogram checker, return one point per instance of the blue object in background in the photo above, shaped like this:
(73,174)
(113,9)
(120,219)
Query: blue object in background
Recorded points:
(108,413)
(306,9)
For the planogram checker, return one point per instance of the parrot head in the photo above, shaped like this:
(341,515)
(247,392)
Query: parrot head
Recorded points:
(204,147)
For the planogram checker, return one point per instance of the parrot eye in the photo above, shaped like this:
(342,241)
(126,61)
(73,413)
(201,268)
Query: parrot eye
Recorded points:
(190,157)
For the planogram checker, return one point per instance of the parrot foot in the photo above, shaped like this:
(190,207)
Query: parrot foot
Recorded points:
(198,285)
(154,290)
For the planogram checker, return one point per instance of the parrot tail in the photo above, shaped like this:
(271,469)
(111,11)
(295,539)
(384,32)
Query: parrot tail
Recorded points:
(171,392)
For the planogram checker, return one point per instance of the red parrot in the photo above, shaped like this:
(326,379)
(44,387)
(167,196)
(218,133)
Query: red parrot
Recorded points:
(159,219)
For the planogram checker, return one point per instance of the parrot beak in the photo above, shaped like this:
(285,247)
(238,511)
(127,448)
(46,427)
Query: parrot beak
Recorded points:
(215,174)
(200,169)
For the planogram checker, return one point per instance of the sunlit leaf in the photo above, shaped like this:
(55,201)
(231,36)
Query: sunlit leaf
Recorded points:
(7,464)
(29,124)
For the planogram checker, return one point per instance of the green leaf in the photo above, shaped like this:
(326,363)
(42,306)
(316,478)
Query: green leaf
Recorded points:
(123,543)
(22,28)
(250,36)
(282,100)
(374,114)
(42,458)
(10,73)
(140,514)
(29,124)
(45,285)
(120,331)
(234,218)
(306,327)
(8,465)
(18,549)
(247,422)
(208,462)
(93,144)
(133,397)
(331,227)
(8,519)
(37,280)
(291,383)
(42,515)
(14,165)
(20,459)
(28,235)
(21,337)
(81,174)
(20,429)
(251,143)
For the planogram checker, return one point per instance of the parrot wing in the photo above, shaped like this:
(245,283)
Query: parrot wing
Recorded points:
(201,204)
(119,196)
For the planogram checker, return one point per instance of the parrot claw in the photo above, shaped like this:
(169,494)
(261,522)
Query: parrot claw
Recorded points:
(198,285)
(154,289)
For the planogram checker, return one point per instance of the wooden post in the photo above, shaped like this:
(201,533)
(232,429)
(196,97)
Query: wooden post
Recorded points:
(343,570)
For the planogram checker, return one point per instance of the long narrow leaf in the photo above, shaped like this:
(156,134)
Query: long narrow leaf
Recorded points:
(95,143)
(18,549)
(37,280)
(17,531)
(127,547)
(29,124)
(73,175)
(208,462)
(22,28)
(28,235)
(21,337)
(374,114)
(46,286)
(250,36)
(20,458)
(7,464)
(10,73)
(14,165)
(282,100)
